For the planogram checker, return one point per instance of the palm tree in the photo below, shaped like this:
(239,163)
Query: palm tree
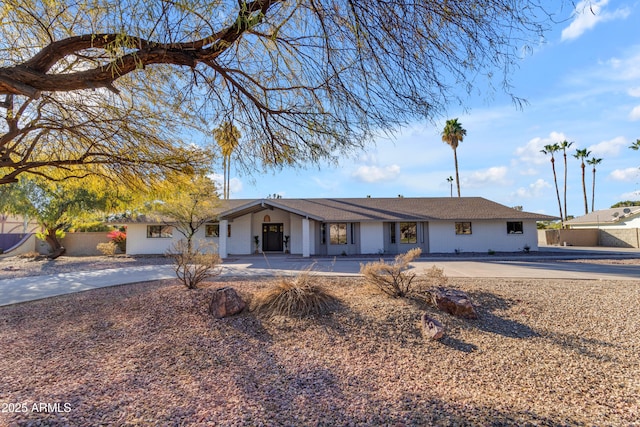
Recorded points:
(563,146)
(227,136)
(551,149)
(450,181)
(452,134)
(581,154)
(593,162)
(635,145)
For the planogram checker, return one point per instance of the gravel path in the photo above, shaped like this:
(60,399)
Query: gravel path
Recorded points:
(542,353)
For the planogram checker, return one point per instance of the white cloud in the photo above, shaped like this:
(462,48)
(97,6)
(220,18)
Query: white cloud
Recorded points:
(493,175)
(609,148)
(327,184)
(634,115)
(235,185)
(628,174)
(589,13)
(372,174)
(634,195)
(634,92)
(535,189)
(530,153)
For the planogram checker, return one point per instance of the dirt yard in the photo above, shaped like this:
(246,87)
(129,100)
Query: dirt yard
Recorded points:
(542,353)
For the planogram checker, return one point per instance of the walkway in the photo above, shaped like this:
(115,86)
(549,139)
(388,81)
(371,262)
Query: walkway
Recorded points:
(552,264)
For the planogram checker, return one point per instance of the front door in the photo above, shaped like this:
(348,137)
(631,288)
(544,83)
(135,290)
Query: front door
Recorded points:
(272,237)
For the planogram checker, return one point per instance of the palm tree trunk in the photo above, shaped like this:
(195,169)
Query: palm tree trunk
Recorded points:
(224,178)
(593,190)
(555,180)
(565,186)
(455,159)
(229,176)
(584,192)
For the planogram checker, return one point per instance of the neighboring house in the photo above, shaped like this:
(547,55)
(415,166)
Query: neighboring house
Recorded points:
(352,226)
(617,227)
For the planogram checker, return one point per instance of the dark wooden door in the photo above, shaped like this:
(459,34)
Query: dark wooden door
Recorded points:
(272,237)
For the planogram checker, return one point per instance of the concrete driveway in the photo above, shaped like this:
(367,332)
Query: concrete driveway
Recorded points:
(550,263)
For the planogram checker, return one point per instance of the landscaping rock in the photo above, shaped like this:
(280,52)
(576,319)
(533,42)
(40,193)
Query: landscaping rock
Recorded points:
(226,302)
(454,302)
(431,328)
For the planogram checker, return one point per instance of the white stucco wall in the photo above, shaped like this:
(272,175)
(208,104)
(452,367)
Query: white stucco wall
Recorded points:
(139,244)
(241,240)
(295,233)
(371,237)
(486,235)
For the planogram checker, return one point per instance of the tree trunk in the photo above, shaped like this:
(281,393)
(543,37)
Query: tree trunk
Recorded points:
(584,192)
(555,180)
(593,190)
(565,187)
(56,247)
(455,160)
(224,178)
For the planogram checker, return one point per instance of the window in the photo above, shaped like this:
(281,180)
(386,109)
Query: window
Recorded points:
(514,227)
(338,233)
(323,234)
(463,228)
(159,231)
(212,230)
(392,233)
(408,232)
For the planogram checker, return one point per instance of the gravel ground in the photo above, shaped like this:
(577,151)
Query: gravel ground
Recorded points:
(542,353)
(35,266)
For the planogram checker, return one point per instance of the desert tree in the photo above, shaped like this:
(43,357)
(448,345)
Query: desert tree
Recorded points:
(593,162)
(56,205)
(227,136)
(581,154)
(93,133)
(305,80)
(636,145)
(551,149)
(563,146)
(453,134)
(187,204)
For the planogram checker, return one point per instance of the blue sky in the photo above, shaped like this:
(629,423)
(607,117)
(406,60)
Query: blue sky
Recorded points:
(582,84)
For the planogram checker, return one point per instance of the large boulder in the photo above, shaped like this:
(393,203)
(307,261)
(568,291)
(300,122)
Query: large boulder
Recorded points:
(431,328)
(226,302)
(454,302)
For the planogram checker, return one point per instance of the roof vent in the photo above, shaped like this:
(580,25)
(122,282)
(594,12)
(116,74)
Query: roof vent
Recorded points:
(616,214)
(626,210)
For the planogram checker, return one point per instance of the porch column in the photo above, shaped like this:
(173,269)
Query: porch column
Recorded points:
(306,250)
(222,238)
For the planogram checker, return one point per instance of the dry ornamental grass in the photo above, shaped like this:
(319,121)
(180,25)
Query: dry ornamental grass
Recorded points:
(542,353)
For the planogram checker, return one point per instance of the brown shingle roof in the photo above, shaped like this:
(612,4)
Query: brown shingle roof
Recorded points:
(389,209)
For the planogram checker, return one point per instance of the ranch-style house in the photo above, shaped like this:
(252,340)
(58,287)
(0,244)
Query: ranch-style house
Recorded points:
(351,226)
